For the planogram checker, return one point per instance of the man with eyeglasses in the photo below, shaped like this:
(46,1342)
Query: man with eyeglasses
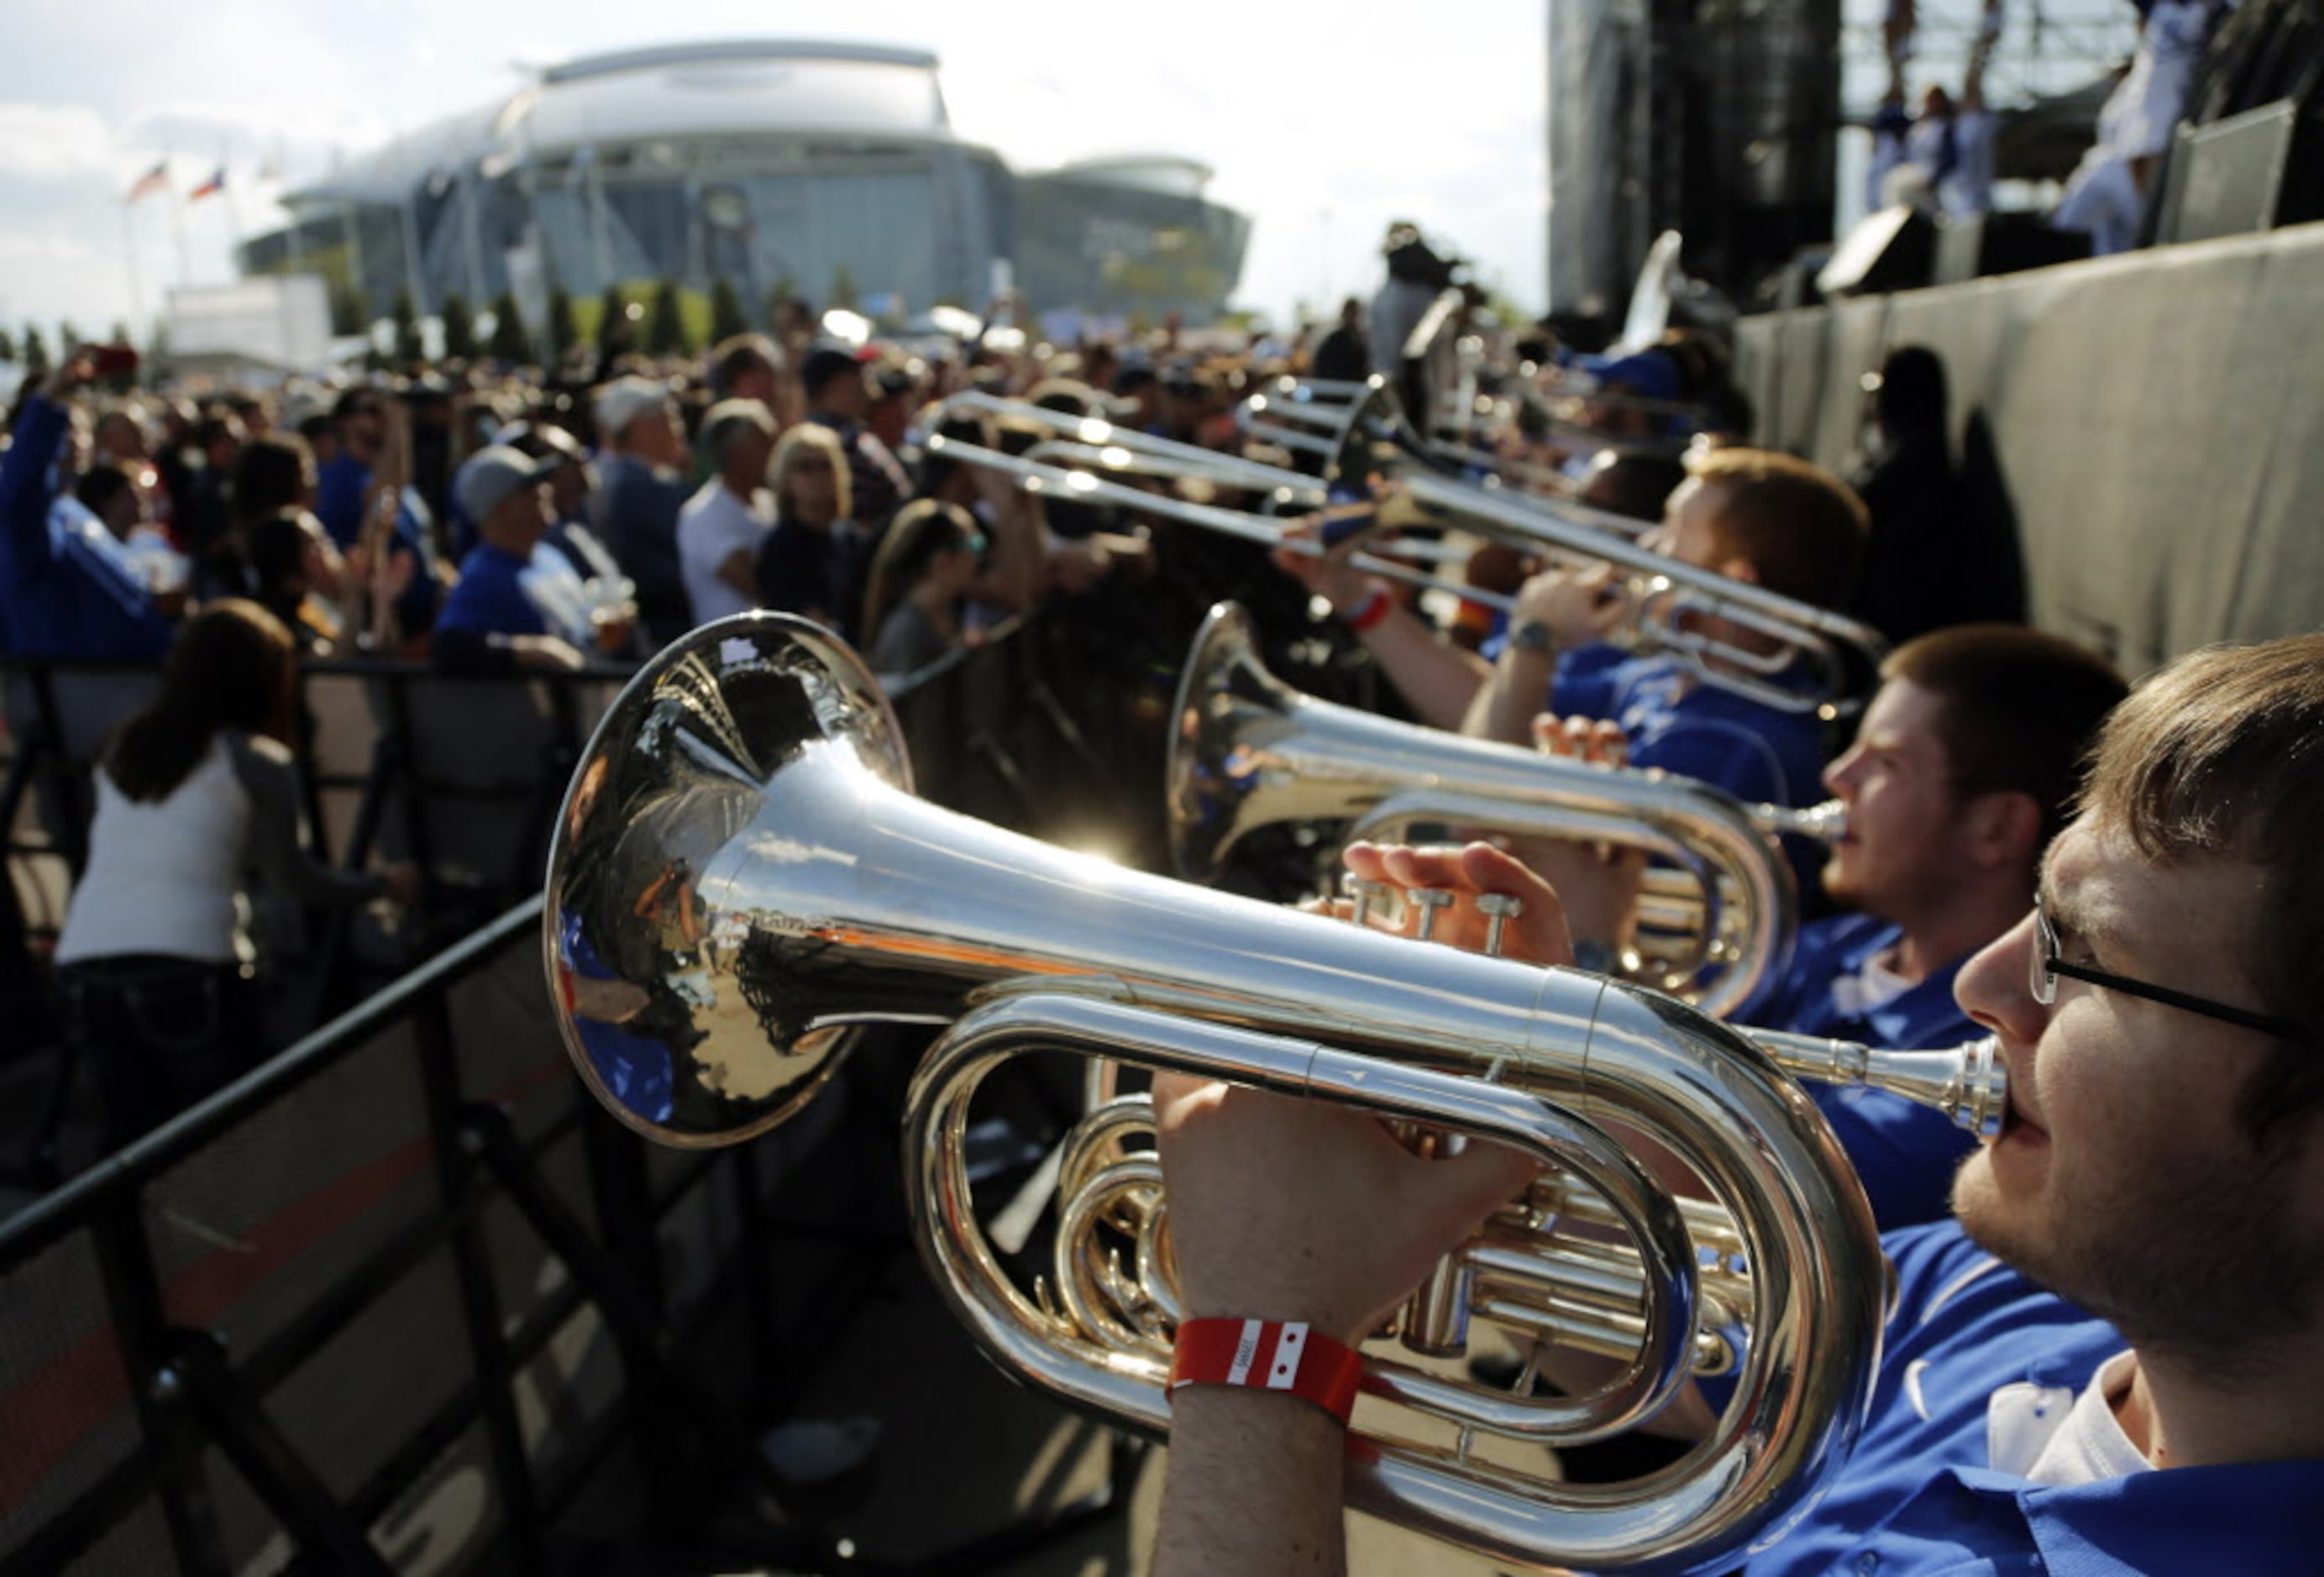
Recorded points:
(2112,1360)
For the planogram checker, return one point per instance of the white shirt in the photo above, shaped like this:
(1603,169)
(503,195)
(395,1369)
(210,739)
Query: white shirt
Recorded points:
(164,875)
(713,524)
(2051,1437)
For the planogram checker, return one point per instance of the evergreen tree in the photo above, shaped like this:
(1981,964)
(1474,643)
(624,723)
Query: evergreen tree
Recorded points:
(459,329)
(510,344)
(37,365)
(8,345)
(408,350)
(347,308)
(843,287)
(614,335)
(782,296)
(665,323)
(69,338)
(727,319)
(560,331)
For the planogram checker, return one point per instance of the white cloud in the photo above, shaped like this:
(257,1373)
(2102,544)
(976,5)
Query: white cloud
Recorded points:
(58,141)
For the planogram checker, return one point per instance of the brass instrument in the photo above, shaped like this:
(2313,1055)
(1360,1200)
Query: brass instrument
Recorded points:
(740,876)
(1247,751)
(1372,432)
(1358,436)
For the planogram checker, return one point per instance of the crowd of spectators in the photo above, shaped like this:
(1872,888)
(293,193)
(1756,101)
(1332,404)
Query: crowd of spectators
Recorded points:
(497,520)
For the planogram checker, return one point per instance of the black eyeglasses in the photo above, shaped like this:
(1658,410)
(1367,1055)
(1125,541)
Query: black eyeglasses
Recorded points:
(2048,966)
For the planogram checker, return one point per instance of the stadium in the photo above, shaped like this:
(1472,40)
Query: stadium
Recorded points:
(826,171)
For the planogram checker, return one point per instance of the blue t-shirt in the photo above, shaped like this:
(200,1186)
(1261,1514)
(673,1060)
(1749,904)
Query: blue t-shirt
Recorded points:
(1919,1497)
(1905,1153)
(67,591)
(340,489)
(490,598)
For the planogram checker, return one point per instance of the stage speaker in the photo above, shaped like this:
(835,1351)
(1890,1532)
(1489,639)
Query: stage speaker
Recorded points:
(2250,171)
(1978,244)
(1892,250)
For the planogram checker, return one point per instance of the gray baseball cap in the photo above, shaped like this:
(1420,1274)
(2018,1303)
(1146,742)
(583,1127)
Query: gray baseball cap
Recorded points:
(491,474)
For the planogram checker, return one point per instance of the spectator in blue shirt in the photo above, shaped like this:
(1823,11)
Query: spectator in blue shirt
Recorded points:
(640,487)
(492,622)
(68,587)
(344,483)
(2112,1363)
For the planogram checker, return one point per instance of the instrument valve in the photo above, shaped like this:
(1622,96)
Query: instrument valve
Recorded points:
(1499,910)
(1361,896)
(1428,900)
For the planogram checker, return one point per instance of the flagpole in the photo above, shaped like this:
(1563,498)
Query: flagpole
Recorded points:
(232,221)
(129,257)
(178,228)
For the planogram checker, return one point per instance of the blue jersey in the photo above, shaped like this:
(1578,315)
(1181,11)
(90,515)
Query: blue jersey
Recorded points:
(1919,1495)
(1677,721)
(1905,1152)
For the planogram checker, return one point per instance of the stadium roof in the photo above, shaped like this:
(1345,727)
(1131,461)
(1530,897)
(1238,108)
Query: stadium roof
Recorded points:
(732,88)
(1167,174)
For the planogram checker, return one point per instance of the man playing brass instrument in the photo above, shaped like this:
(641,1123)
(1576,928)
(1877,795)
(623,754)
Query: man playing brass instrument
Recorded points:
(1761,518)
(2113,1361)
(1958,778)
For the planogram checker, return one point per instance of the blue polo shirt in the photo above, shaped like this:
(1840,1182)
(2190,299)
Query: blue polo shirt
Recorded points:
(1682,724)
(1905,1154)
(1918,1497)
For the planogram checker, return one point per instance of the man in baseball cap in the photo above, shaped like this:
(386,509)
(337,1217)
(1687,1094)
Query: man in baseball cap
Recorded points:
(493,622)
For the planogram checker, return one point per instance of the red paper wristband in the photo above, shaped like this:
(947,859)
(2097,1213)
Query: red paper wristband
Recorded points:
(1273,1355)
(1370,610)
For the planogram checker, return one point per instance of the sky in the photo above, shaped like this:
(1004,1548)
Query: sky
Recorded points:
(1323,119)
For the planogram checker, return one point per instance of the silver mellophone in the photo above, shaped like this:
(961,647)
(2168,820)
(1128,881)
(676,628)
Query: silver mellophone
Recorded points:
(742,878)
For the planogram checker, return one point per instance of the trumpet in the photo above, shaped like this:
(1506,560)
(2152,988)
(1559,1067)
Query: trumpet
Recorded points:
(1247,751)
(741,847)
(1843,652)
(1356,437)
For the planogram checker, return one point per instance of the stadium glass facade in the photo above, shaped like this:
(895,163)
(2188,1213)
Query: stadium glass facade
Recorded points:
(817,170)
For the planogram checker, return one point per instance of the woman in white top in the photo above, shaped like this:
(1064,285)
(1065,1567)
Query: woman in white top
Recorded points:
(196,788)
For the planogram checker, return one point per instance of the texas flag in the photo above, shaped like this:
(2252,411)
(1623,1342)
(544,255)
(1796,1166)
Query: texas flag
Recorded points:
(216,182)
(154,180)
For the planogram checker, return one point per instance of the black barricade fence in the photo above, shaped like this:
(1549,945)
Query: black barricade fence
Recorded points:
(384,1303)
(391,1300)
(463,775)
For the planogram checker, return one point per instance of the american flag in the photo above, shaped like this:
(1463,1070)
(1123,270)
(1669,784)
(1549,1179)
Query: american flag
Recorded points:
(216,182)
(154,180)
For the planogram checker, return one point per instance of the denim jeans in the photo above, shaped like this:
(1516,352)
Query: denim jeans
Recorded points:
(160,1033)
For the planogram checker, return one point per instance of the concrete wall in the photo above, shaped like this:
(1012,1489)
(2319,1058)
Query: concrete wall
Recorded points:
(2156,420)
